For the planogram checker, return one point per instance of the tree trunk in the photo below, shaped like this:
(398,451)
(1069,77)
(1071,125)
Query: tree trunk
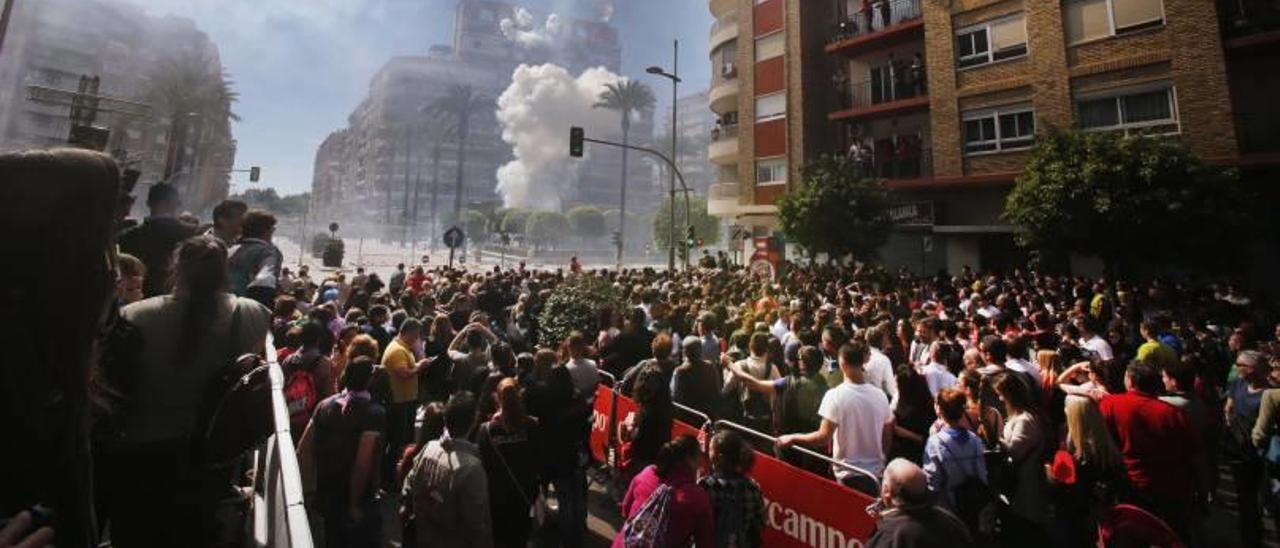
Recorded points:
(463,122)
(404,205)
(417,193)
(622,205)
(435,191)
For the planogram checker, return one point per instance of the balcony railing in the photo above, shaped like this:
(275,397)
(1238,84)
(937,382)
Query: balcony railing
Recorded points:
(724,133)
(882,14)
(903,159)
(907,83)
(1257,133)
(1244,17)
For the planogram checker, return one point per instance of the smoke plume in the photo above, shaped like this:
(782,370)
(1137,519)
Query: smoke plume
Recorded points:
(522,30)
(536,112)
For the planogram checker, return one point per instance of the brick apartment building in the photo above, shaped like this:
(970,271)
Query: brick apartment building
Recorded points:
(944,98)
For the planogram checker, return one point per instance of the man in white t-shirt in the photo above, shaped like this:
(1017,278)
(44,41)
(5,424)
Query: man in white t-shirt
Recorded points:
(1089,340)
(856,420)
(879,369)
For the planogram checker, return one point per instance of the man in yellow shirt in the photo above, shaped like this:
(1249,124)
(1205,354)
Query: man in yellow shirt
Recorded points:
(1154,351)
(401,367)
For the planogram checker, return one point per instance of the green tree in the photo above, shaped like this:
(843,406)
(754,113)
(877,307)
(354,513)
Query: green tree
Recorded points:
(460,105)
(195,100)
(546,228)
(1126,200)
(475,225)
(705,226)
(625,96)
(587,222)
(514,220)
(575,305)
(835,212)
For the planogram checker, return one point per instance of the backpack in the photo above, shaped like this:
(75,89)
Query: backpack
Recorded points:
(647,528)
(800,403)
(301,391)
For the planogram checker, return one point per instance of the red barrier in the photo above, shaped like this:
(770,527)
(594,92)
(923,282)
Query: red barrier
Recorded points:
(601,430)
(805,510)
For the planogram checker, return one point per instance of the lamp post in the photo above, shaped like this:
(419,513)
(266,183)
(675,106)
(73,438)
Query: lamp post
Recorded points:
(675,84)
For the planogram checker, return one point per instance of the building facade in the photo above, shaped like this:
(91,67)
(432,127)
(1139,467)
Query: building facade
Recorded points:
(51,44)
(945,99)
(386,164)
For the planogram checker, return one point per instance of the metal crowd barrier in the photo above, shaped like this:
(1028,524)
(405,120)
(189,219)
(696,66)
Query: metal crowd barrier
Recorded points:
(803,450)
(278,510)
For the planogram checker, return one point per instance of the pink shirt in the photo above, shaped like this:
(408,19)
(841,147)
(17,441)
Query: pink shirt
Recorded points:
(691,517)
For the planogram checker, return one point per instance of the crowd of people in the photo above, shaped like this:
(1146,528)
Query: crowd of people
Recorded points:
(974,409)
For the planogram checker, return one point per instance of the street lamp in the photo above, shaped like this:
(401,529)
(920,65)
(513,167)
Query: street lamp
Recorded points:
(675,84)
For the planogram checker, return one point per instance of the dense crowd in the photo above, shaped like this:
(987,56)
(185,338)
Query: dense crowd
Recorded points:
(975,409)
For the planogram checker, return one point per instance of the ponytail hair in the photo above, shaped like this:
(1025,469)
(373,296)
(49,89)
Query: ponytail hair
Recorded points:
(675,452)
(199,277)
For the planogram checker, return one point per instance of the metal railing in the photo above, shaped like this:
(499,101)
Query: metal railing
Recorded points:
(722,133)
(907,84)
(278,509)
(1244,17)
(802,450)
(1257,132)
(893,166)
(882,15)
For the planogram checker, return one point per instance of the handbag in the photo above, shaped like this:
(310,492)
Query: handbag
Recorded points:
(236,409)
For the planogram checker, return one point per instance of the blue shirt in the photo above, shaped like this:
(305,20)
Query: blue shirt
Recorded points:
(952,456)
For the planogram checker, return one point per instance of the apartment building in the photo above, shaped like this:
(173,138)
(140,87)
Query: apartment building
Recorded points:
(944,100)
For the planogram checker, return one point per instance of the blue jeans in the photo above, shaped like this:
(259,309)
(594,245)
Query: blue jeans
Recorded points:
(571,492)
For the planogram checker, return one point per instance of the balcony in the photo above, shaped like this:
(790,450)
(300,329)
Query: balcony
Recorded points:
(722,199)
(721,7)
(875,98)
(901,160)
(724,145)
(889,22)
(723,95)
(1249,22)
(723,30)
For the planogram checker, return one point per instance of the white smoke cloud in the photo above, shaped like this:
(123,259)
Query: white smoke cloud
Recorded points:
(536,112)
(522,30)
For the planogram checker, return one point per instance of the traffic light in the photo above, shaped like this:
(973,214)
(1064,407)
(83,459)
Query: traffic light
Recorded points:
(576,136)
(255,173)
(692,238)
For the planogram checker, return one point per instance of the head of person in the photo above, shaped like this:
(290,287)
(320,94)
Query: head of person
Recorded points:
(972,359)
(994,350)
(228,218)
(511,404)
(810,360)
(706,324)
(1088,437)
(691,349)
(679,453)
(58,270)
(432,423)
(576,345)
(355,377)
(363,345)
(460,414)
(163,200)
(1014,393)
(258,224)
(503,358)
(759,344)
(729,454)
(129,281)
(661,347)
(927,330)
(379,315)
(905,485)
(1253,367)
(1141,376)
(199,277)
(950,405)
(313,334)
(832,339)
(853,359)
(1178,376)
(543,361)
(410,331)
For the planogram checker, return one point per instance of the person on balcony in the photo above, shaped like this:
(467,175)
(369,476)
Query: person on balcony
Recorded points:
(916,70)
(840,80)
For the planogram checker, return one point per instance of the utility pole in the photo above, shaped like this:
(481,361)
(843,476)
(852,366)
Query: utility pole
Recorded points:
(674,76)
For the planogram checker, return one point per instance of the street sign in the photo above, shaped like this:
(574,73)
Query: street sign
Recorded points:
(453,237)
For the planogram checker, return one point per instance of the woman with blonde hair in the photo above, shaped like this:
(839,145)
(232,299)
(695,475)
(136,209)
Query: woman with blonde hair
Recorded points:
(1085,483)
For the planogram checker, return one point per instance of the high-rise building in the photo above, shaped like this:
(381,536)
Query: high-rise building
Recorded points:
(944,100)
(693,131)
(52,43)
(387,149)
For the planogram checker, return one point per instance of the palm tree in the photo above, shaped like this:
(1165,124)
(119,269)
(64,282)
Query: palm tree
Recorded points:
(459,105)
(438,132)
(625,96)
(190,85)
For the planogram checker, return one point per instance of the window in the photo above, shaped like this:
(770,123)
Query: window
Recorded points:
(1149,110)
(996,130)
(995,40)
(770,46)
(771,172)
(769,107)
(1091,19)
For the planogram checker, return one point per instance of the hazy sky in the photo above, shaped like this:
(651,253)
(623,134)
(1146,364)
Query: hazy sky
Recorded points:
(301,66)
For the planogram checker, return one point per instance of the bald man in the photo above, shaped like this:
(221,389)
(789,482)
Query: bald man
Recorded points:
(909,519)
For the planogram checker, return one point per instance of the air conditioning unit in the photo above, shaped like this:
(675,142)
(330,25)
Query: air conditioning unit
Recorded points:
(727,70)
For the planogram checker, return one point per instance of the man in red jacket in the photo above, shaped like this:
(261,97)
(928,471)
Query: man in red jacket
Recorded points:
(1159,446)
